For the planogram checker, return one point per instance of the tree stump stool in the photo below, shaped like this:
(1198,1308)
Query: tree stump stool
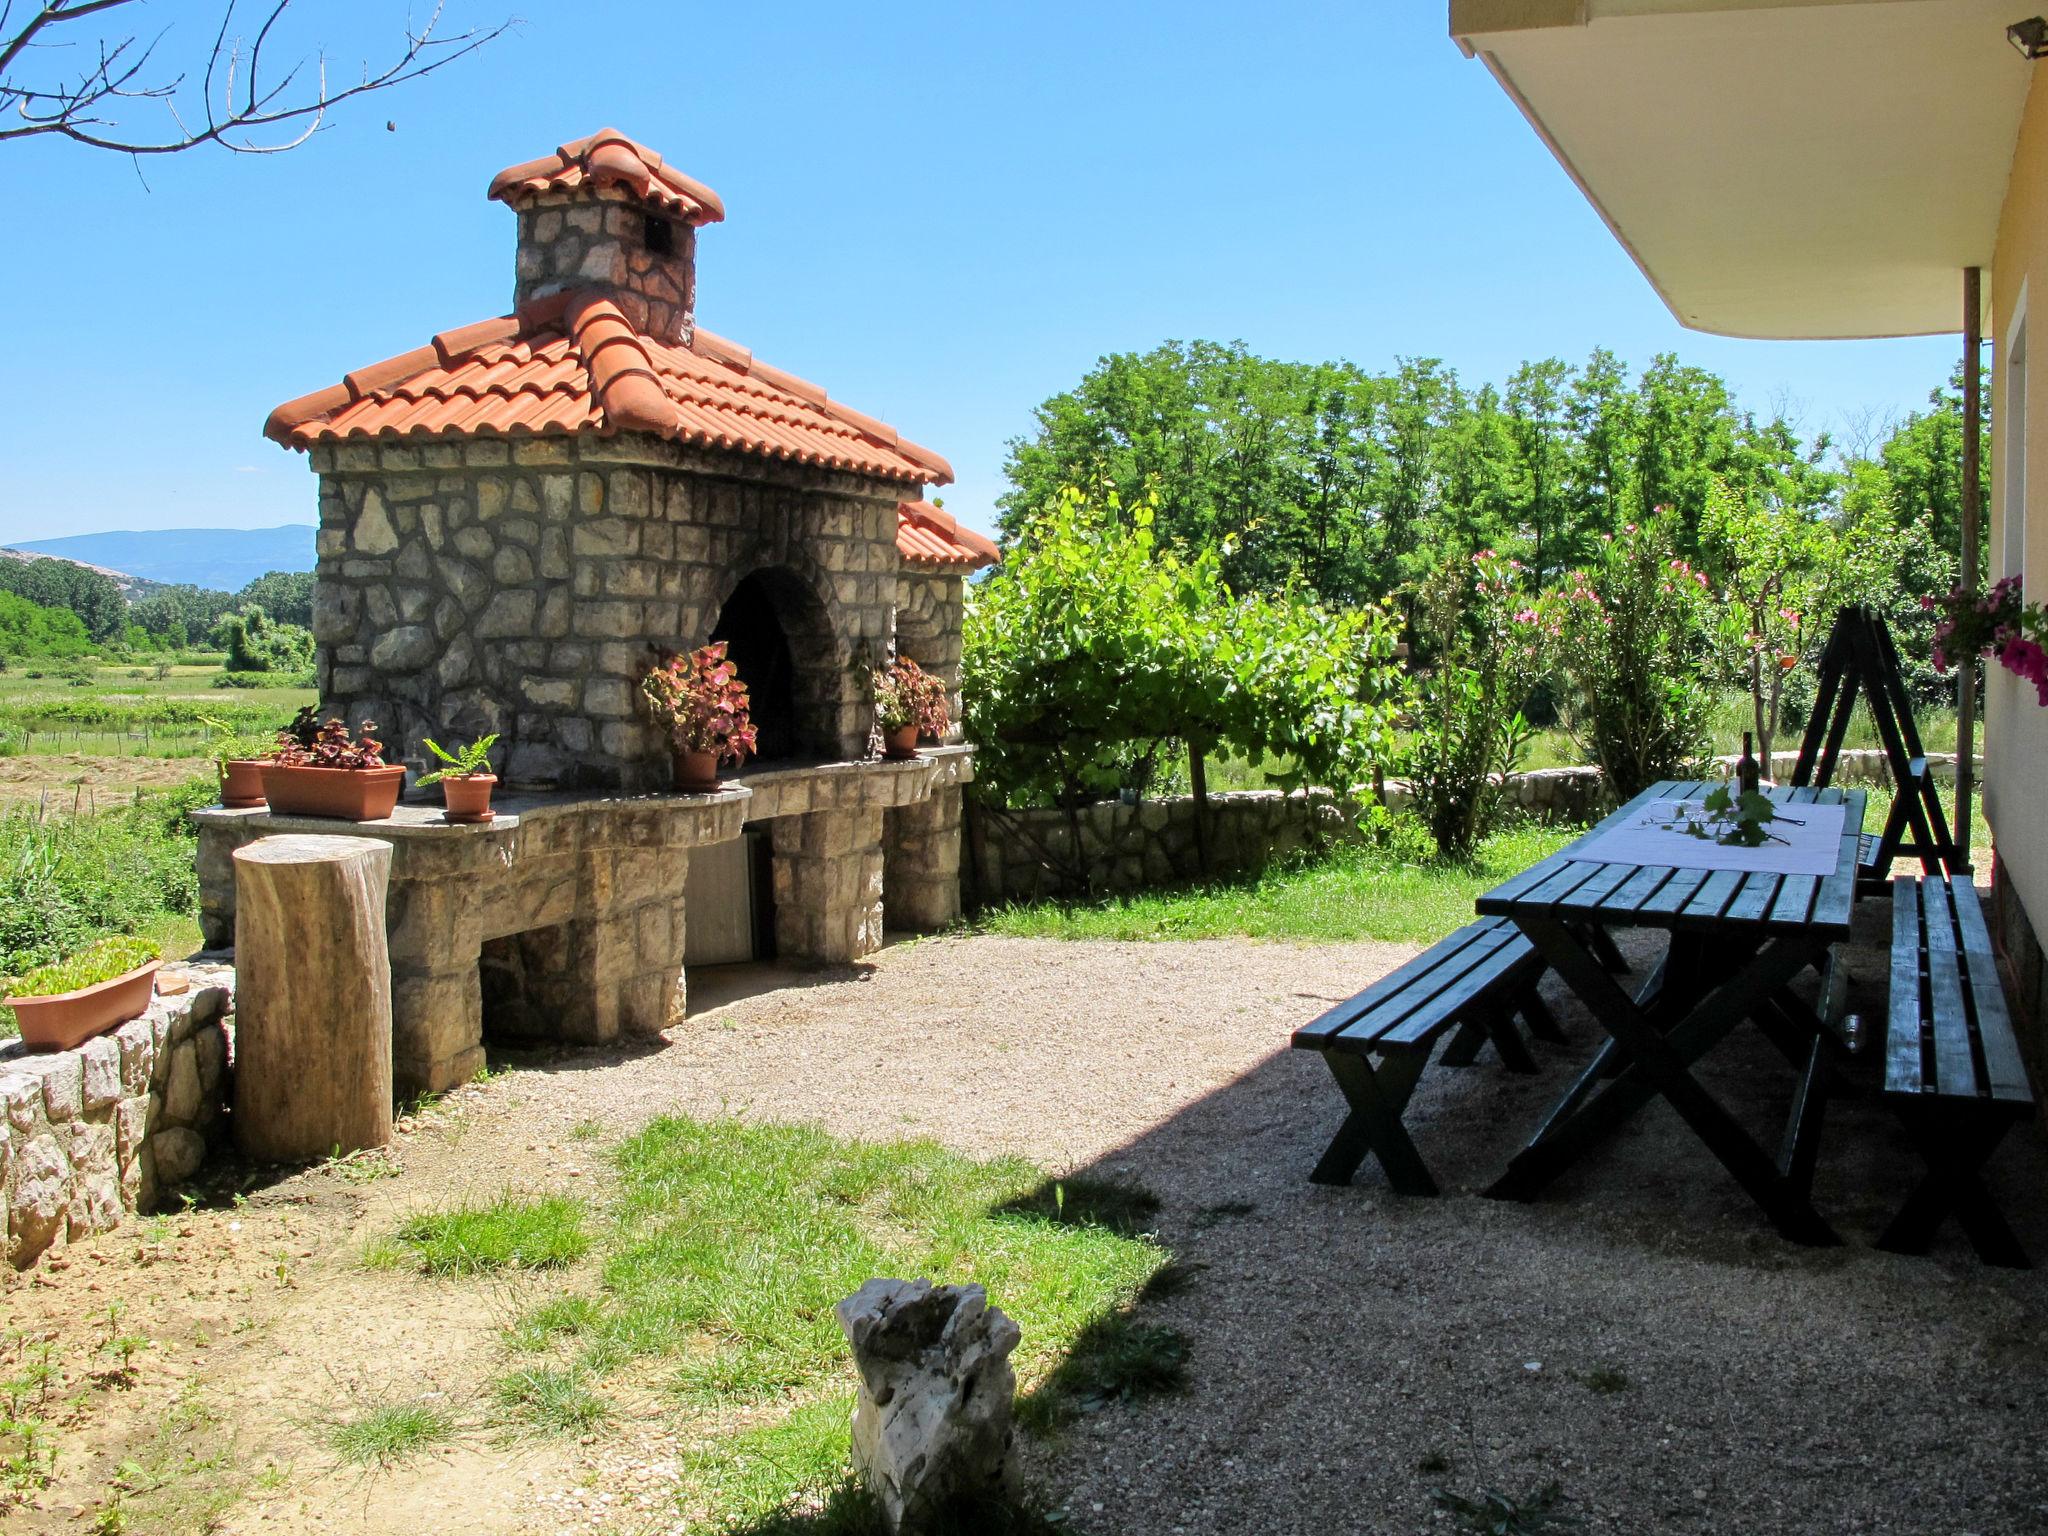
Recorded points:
(312,997)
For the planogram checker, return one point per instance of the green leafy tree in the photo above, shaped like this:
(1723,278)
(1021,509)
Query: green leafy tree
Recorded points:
(1781,573)
(92,595)
(29,631)
(1095,640)
(286,596)
(1539,427)
(255,642)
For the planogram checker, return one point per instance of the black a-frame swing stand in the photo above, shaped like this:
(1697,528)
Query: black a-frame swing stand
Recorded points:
(1861,662)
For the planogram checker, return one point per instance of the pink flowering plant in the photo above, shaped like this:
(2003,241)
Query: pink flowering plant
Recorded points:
(2001,624)
(1628,639)
(1467,730)
(906,694)
(702,704)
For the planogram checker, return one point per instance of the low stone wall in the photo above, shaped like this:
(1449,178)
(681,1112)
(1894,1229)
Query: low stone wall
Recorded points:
(1031,854)
(96,1133)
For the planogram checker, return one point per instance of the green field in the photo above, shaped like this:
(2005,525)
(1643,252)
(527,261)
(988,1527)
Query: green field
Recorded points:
(130,711)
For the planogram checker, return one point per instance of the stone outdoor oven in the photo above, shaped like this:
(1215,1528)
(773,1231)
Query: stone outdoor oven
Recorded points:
(514,520)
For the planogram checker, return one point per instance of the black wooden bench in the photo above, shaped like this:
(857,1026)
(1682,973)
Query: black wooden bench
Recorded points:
(1952,1070)
(1377,1043)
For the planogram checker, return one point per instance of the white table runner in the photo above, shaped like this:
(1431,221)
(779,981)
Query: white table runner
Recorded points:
(1810,841)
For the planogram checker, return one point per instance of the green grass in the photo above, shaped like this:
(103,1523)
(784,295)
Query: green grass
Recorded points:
(724,1251)
(66,881)
(1397,894)
(390,1432)
(508,1232)
(551,1399)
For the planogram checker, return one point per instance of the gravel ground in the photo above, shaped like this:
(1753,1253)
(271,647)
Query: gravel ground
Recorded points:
(1640,1337)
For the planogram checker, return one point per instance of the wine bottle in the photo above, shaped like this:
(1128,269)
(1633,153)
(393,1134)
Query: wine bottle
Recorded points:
(1748,777)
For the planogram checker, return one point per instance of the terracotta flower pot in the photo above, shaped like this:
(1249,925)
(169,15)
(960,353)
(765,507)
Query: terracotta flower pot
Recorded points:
(900,743)
(696,772)
(67,1019)
(241,784)
(353,794)
(468,798)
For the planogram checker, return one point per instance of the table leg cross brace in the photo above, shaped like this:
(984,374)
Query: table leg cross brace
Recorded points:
(1659,1064)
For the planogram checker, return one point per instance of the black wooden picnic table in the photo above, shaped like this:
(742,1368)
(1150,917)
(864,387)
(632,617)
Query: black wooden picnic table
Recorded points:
(1737,940)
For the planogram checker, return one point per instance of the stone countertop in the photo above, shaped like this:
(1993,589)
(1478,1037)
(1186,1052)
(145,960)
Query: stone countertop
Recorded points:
(781,789)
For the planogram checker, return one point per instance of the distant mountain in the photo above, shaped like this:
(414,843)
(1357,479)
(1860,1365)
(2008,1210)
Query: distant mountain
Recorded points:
(225,559)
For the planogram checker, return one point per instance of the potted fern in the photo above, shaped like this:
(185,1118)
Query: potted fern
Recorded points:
(331,773)
(61,1006)
(466,780)
(909,703)
(701,703)
(238,757)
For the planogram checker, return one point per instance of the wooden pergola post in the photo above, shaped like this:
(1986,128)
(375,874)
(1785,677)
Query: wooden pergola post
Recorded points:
(1973,426)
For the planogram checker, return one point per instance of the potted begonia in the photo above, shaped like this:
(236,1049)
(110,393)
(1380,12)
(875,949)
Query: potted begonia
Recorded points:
(61,1006)
(331,772)
(238,758)
(909,703)
(702,705)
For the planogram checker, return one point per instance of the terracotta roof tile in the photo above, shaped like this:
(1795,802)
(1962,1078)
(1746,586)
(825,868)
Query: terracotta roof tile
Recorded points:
(608,158)
(573,363)
(928,536)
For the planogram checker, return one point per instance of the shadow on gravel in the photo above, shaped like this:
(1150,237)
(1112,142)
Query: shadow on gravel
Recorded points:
(1639,1336)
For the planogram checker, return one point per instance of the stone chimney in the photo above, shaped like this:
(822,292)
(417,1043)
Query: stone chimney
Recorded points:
(605,214)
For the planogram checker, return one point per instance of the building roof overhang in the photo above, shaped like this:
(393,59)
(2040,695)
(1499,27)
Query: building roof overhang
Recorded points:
(1777,168)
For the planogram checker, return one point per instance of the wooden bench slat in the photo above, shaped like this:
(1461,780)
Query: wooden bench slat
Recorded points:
(1420,994)
(1976,933)
(1937,917)
(1905,1070)
(1315,1034)
(1955,1067)
(2005,1070)
(1503,963)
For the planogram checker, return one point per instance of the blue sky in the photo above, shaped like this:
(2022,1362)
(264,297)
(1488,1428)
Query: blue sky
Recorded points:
(941,213)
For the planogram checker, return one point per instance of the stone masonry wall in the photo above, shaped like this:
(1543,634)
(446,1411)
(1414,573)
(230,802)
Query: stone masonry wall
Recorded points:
(93,1134)
(1029,855)
(929,608)
(601,239)
(516,587)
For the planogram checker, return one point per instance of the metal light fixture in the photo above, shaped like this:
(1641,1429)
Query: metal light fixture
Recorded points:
(2029,36)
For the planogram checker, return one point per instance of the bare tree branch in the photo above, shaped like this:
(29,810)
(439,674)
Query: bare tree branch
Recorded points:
(240,102)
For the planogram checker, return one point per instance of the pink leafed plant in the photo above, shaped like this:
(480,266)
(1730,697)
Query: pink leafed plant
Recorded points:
(702,704)
(906,694)
(330,746)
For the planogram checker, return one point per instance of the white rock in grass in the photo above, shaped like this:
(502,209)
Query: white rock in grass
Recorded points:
(933,1424)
